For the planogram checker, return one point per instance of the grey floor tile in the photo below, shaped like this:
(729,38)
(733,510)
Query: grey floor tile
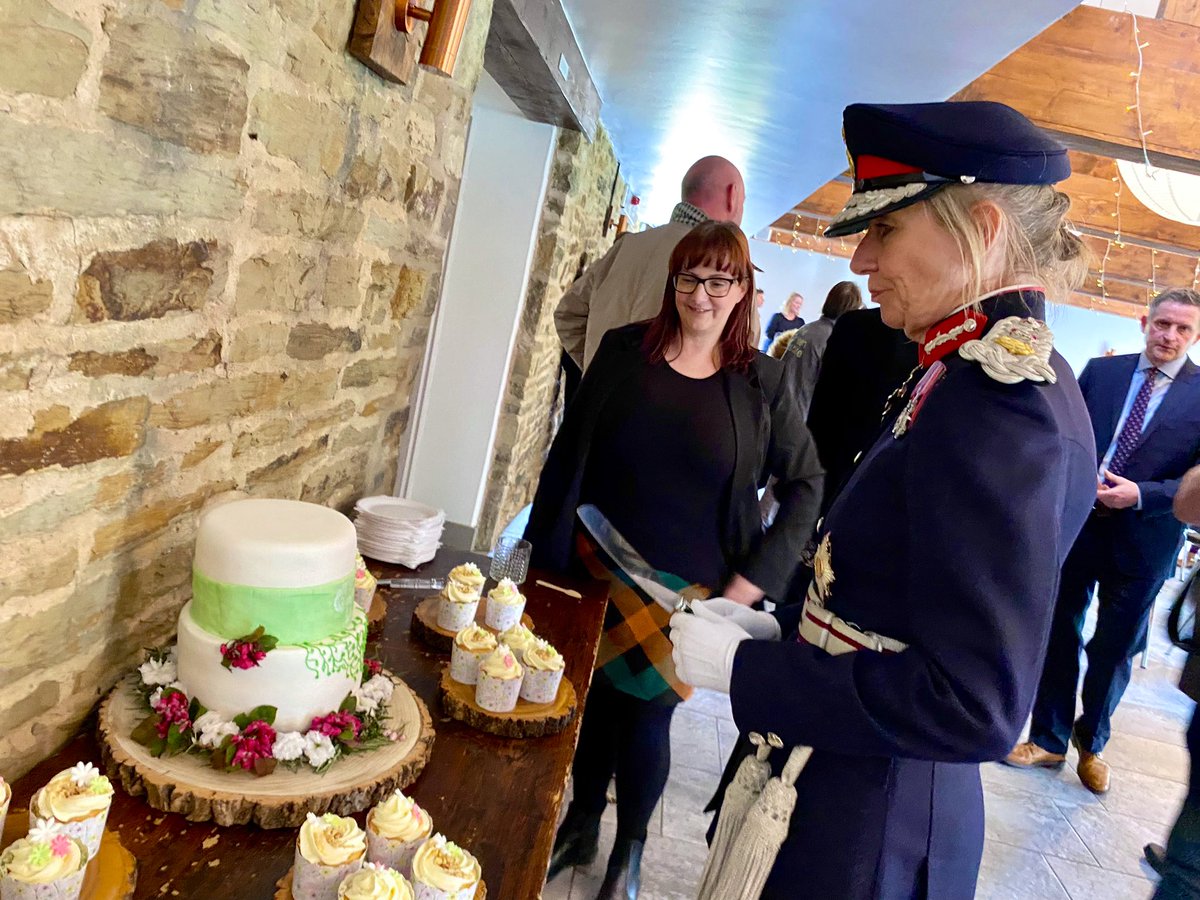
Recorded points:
(1144,797)
(694,741)
(710,703)
(1124,751)
(1053,784)
(1085,882)
(559,888)
(1115,841)
(1010,873)
(1150,722)
(671,869)
(688,792)
(1033,823)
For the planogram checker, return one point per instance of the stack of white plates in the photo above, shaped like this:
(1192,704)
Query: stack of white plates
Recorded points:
(395,530)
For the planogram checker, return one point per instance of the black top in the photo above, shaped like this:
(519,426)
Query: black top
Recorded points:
(780,323)
(659,469)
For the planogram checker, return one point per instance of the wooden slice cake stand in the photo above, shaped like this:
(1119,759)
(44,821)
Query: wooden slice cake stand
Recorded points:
(111,875)
(188,785)
(283,888)
(425,626)
(528,720)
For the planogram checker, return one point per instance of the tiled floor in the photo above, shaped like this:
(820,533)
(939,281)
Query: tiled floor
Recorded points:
(1048,838)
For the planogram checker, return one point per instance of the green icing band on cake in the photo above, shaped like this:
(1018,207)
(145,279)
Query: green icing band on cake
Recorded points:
(336,654)
(292,615)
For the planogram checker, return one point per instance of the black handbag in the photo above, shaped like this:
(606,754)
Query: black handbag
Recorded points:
(1181,621)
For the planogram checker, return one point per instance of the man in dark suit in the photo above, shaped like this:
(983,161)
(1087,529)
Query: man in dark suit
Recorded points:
(1145,412)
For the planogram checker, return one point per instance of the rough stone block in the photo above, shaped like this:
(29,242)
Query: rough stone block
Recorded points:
(304,215)
(140,523)
(218,401)
(170,358)
(38,572)
(367,372)
(146,283)
(29,704)
(314,340)
(201,451)
(410,289)
(422,194)
(42,49)
(341,282)
(15,374)
(287,468)
(313,135)
(21,297)
(111,430)
(251,24)
(276,281)
(175,83)
(386,232)
(269,434)
(257,341)
(422,131)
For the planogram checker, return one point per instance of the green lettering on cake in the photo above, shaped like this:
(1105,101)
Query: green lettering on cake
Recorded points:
(339,654)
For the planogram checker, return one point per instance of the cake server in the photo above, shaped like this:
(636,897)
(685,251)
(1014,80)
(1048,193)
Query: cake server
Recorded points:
(413,584)
(630,561)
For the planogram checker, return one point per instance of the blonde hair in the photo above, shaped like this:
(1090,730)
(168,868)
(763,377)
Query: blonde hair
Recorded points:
(1037,241)
(788,302)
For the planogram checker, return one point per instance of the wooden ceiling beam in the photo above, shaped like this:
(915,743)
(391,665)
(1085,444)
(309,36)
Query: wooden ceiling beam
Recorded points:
(1074,80)
(1184,11)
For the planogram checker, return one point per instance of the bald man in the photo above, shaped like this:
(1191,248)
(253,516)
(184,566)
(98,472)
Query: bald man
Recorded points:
(626,284)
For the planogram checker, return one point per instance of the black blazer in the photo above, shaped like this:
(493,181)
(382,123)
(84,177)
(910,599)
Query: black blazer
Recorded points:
(770,439)
(1144,541)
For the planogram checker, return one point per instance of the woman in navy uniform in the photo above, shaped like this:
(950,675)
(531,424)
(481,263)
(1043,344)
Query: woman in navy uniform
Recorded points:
(921,638)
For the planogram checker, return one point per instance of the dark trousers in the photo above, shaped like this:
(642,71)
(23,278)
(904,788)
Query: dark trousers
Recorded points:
(1181,874)
(631,739)
(1124,608)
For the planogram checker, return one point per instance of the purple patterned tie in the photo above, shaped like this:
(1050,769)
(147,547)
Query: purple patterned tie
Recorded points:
(1132,430)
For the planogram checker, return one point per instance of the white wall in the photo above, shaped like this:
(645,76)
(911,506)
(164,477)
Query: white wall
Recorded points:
(504,179)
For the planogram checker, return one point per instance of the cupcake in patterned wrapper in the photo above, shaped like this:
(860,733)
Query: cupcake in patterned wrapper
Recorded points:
(471,645)
(504,606)
(373,882)
(48,864)
(78,799)
(395,829)
(518,638)
(499,680)
(444,871)
(460,597)
(543,672)
(5,799)
(364,584)
(328,849)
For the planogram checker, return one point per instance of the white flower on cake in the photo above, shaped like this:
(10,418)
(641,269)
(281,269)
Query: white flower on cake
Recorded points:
(154,671)
(373,693)
(318,749)
(44,830)
(288,746)
(211,729)
(83,774)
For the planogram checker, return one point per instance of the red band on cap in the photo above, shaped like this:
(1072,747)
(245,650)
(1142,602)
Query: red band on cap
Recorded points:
(868,167)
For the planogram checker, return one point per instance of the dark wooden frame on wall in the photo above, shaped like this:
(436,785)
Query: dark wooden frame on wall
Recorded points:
(380,46)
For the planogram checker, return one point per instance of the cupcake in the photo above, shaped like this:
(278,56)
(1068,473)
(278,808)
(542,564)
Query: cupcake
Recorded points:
(373,882)
(499,680)
(504,606)
(328,849)
(543,672)
(77,799)
(5,798)
(471,645)
(395,829)
(49,864)
(460,598)
(444,871)
(364,584)
(518,638)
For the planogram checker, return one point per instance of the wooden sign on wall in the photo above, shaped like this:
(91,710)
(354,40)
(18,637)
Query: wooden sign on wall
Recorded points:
(380,46)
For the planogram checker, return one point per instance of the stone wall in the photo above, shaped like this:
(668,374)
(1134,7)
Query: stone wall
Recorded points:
(577,196)
(221,241)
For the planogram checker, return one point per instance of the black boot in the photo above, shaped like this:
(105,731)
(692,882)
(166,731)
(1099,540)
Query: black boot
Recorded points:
(577,842)
(624,876)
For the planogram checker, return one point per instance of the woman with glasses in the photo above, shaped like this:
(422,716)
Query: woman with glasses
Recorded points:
(677,422)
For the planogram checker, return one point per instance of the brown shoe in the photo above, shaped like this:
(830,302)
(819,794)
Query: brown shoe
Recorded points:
(1030,756)
(1093,771)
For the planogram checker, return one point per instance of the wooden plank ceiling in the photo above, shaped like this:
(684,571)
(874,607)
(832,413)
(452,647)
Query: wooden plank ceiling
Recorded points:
(1074,79)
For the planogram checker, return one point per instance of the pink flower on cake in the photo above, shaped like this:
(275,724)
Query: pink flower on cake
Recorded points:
(371,668)
(256,741)
(60,845)
(172,709)
(343,726)
(248,651)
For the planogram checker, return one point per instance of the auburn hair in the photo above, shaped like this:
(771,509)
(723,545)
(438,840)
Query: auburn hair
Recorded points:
(723,246)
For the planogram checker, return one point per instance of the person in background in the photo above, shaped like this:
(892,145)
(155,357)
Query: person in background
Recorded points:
(676,424)
(787,319)
(807,346)
(936,568)
(625,284)
(1145,412)
(1179,862)
(756,317)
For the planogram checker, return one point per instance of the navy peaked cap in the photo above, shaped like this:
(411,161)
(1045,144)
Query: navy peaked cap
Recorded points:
(904,153)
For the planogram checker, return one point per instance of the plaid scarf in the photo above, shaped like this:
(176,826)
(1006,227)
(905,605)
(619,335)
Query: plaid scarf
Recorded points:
(635,653)
(686,214)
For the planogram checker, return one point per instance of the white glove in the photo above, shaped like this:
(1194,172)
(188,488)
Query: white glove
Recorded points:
(704,644)
(761,626)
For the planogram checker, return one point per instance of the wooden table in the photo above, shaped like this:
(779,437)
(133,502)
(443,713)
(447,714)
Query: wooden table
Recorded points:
(496,796)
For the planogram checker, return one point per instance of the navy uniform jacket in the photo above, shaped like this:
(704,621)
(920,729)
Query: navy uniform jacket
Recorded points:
(1144,542)
(949,538)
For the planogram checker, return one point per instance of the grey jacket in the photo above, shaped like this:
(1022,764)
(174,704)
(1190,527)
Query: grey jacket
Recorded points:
(803,359)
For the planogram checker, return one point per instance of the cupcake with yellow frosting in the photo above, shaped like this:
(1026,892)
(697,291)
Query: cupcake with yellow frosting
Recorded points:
(543,672)
(328,849)
(444,871)
(518,638)
(364,584)
(504,606)
(373,882)
(460,597)
(395,829)
(471,645)
(5,799)
(49,864)
(499,680)
(78,799)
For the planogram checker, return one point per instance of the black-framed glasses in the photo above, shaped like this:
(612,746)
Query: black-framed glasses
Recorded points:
(716,287)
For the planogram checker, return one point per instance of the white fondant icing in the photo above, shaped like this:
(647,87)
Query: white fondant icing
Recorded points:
(275,543)
(284,679)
